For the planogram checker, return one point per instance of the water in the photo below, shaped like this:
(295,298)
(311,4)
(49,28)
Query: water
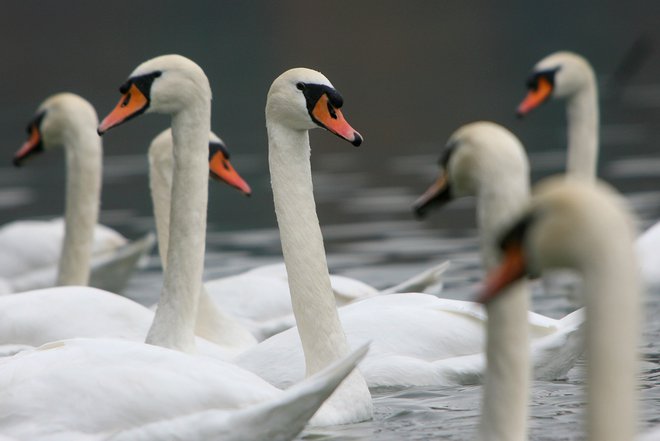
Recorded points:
(410,73)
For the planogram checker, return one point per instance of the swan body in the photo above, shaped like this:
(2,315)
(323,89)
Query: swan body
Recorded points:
(37,317)
(37,254)
(419,339)
(569,76)
(84,389)
(585,227)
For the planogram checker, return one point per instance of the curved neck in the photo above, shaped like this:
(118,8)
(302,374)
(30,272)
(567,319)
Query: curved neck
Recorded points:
(322,337)
(505,394)
(211,323)
(174,322)
(83,192)
(583,122)
(612,303)
(314,307)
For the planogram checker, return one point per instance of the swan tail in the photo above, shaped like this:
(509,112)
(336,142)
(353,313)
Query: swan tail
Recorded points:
(573,320)
(280,419)
(428,281)
(555,354)
(111,271)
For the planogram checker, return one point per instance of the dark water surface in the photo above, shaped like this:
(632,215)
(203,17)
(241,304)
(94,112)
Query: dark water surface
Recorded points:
(411,73)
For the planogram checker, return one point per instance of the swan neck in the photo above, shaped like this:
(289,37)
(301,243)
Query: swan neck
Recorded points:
(313,301)
(506,384)
(160,183)
(583,123)
(174,322)
(322,337)
(83,192)
(212,323)
(612,328)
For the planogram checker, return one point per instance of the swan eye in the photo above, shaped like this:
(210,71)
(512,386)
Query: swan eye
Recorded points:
(300,86)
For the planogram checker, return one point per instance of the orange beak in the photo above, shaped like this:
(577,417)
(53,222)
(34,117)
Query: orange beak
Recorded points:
(438,192)
(30,147)
(131,104)
(332,119)
(222,170)
(511,269)
(535,97)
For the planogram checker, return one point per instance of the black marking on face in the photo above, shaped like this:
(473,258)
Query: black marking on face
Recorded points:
(515,235)
(447,152)
(548,74)
(35,124)
(215,147)
(142,82)
(313,93)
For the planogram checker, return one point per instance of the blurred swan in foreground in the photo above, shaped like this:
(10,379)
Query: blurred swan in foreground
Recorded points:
(585,228)
(38,254)
(569,76)
(485,160)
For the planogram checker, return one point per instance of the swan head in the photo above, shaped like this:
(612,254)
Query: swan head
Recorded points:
(559,75)
(569,224)
(220,168)
(303,99)
(164,84)
(478,157)
(58,120)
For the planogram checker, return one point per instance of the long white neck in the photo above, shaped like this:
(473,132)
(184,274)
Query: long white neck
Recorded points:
(83,192)
(211,323)
(583,123)
(612,303)
(174,323)
(323,339)
(505,395)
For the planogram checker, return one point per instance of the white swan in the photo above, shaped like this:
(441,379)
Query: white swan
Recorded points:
(133,391)
(259,298)
(570,76)
(586,228)
(119,390)
(417,339)
(38,254)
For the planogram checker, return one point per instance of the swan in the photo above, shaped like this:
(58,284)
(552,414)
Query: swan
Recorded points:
(258,298)
(584,227)
(37,317)
(83,389)
(416,339)
(569,76)
(38,254)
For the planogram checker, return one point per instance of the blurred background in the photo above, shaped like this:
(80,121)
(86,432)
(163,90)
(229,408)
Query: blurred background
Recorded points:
(411,72)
